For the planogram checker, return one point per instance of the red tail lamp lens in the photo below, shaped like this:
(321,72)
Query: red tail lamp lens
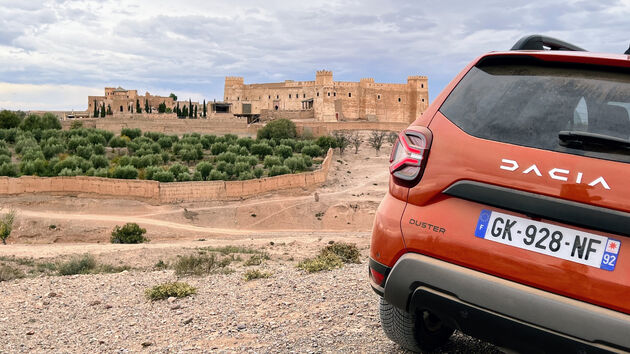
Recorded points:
(377,277)
(410,153)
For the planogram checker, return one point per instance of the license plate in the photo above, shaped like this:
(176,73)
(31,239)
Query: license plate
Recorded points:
(561,242)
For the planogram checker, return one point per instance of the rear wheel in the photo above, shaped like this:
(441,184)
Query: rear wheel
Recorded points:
(416,332)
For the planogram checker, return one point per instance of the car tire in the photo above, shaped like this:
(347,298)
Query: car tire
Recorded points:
(414,332)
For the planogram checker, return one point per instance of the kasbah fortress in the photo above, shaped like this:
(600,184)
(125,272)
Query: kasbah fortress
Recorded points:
(322,100)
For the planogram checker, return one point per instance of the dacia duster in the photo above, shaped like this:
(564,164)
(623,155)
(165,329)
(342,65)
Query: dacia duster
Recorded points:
(508,210)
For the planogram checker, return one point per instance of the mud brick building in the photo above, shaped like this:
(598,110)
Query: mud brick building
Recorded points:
(327,100)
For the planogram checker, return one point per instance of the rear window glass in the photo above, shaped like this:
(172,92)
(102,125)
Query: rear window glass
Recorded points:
(525,101)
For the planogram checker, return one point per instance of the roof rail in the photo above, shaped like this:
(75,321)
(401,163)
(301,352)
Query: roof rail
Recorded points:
(539,42)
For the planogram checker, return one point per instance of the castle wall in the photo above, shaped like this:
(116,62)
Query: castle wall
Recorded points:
(333,100)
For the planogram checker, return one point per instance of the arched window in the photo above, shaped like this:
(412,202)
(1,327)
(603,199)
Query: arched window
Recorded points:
(378,97)
(121,108)
(399,99)
(349,94)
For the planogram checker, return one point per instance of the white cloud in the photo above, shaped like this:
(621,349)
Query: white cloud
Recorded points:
(45,97)
(188,46)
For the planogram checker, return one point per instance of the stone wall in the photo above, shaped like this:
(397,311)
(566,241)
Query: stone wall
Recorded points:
(268,114)
(157,192)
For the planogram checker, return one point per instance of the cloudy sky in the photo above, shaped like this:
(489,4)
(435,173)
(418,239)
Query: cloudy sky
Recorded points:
(54,53)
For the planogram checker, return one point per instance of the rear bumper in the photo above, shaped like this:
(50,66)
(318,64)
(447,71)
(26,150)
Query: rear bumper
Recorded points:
(504,312)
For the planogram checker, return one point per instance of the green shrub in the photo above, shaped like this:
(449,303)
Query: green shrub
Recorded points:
(6,225)
(204,168)
(9,135)
(155,136)
(98,149)
(312,150)
(118,142)
(326,142)
(124,161)
(271,161)
(129,233)
(24,143)
(279,170)
(278,129)
(245,142)
(163,176)
(200,264)
(308,161)
(261,150)
(207,141)
(51,150)
(165,142)
(245,175)
(347,252)
(39,167)
(9,120)
(235,149)
(256,259)
(228,157)
(166,290)
(77,141)
(178,168)
(216,175)
(131,133)
(71,162)
(197,176)
(4,159)
(125,172)
(9,273)
(184,177)
(77,265)
(99,161)
(85,264)
(241,167)
(35,122)
(256,274)
(258,172)
(84,151)
(166,157)
(283,151)
(289,142)
(67,172)
(32,154)
(295,164)
(327,261)
(150,171)
(218,148)
(96,139)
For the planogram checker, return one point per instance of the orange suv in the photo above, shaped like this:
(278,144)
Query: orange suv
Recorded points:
(508,211)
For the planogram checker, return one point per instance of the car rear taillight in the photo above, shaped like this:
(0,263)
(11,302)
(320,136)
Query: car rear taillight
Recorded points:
(409,155)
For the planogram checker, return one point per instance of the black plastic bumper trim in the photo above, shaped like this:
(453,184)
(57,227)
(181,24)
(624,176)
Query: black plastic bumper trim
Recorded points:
(565,211)
(498,329)
(553,312)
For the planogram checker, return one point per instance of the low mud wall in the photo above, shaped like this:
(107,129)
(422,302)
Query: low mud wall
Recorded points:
(163,192)
(325,128)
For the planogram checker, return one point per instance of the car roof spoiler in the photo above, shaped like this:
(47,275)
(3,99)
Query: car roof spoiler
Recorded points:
(627,51)
(540,42)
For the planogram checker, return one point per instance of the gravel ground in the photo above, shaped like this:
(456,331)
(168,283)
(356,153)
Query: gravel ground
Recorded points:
(334,311)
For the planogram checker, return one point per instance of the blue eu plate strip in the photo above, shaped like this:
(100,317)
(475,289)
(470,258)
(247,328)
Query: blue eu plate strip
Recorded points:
(482,224)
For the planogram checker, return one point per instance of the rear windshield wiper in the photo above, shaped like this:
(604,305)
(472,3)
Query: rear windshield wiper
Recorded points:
(592,141)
